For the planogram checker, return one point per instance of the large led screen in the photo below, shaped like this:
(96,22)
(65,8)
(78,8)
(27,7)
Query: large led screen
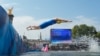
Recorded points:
(61,35)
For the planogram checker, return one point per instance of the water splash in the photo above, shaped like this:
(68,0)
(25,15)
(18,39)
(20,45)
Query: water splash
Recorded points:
(93,46)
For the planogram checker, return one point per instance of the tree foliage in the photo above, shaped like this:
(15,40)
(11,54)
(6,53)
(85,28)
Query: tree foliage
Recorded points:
(98,35)
(83,30)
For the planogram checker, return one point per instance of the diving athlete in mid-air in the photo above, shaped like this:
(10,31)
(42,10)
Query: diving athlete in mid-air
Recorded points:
(48,23)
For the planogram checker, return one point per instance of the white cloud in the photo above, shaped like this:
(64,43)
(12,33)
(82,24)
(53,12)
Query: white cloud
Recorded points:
(1,1)
(20,24)
(88,21)
(7,5)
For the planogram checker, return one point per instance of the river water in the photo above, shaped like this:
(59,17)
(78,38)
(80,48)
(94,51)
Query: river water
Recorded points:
(62,53)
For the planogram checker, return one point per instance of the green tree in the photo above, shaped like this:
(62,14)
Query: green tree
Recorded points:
(98,35)
(83,30)
(91,31)
(75,32)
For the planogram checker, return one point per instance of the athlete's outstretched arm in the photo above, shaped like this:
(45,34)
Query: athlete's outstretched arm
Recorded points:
(48,23)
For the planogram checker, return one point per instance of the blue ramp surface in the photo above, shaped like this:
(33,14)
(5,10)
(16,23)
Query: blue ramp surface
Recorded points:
(11,43)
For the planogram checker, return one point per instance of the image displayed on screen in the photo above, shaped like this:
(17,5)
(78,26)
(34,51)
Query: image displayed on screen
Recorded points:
(60,35)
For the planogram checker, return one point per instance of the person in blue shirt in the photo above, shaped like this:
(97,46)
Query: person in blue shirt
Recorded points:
(48,23)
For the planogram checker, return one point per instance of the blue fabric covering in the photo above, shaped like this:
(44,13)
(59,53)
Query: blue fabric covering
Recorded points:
(10,41)
(46,24)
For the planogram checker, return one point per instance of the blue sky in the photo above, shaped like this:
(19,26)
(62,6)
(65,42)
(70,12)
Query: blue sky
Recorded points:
(56,8)
(79,11)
